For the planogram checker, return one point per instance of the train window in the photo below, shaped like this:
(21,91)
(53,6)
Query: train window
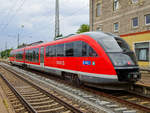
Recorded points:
(73,49)
(91,52)
(26,54)
(69,50)
(110,44)
(37,54)
(84,49)
(52,51)
(19,55)
(60,50)
(47,51)
(123,45)
(34,55)
(77,49)
(30,55)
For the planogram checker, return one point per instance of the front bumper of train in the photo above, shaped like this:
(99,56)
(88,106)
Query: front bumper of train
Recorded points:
(128,74)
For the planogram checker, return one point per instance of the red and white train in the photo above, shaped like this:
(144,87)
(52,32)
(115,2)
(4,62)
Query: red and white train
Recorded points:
(94,58)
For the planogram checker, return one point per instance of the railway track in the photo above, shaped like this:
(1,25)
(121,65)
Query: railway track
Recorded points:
(27,97)
(130,99)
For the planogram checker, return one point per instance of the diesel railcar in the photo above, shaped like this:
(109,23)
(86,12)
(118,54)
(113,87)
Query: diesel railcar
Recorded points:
(95,58)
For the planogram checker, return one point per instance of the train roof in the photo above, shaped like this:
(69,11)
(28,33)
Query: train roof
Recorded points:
(100,35)
(95,35)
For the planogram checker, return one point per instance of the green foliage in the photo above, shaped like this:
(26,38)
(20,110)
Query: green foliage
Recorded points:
(22,45)
(83,28)
(5,53)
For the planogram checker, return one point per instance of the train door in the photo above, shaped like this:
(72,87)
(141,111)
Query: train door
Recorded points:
(42,56)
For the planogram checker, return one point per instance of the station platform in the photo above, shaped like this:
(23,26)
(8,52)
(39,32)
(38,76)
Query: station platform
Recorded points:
(145,79)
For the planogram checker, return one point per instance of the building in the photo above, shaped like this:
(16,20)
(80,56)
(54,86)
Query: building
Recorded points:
(128,18)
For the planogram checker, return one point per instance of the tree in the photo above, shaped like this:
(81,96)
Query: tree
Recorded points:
(6,53)
(83,28)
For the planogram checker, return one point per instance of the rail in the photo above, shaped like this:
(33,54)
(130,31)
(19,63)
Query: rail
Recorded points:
(27,105)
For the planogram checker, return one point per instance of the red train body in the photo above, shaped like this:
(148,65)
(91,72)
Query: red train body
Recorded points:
(95,58)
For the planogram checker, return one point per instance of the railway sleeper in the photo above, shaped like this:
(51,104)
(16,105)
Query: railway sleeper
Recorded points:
(55,110)
(38,100)
(35,97)
(42,103)
(31,95)
(49,106)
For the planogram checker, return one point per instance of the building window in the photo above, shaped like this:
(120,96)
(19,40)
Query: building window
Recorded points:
(135,22)
(98,29)
(116,27)
(116,4)
(147,19)
(142,51)
(134,1)
(98,10)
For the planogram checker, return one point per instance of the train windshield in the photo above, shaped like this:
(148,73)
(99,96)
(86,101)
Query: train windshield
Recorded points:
(114,45)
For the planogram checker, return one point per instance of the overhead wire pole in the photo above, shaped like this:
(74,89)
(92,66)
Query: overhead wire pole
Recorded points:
(6,49)
(56,20)
(92,23)
(18,40)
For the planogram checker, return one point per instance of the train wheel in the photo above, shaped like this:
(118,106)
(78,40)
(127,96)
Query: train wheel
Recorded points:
(76,80)
(63,75)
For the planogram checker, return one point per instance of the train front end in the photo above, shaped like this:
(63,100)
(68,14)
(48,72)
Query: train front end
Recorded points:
(122,58)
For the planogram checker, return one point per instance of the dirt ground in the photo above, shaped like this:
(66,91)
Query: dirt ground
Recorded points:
(5,107)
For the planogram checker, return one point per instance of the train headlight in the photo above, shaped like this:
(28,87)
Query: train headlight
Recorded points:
(135,76)
(120,59)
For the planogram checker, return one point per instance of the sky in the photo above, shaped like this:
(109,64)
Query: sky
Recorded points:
(34,20)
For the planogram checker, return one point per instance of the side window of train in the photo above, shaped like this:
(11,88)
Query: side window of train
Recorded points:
(87,50)
(34,55)
(69,50)
(30,55)
(84,49)
(77,49)
(91,52)
(27,55)
(37,54)
(60,50)
(51,51)
(47,51)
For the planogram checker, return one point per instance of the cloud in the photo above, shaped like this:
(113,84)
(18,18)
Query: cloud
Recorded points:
(38,18)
